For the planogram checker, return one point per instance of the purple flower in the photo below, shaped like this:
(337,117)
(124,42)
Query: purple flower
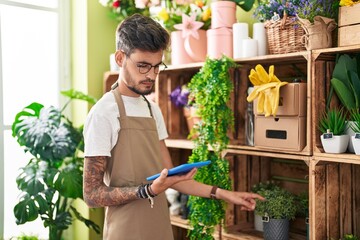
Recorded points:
(180,96)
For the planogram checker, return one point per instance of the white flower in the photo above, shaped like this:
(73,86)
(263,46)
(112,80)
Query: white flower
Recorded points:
(104,2)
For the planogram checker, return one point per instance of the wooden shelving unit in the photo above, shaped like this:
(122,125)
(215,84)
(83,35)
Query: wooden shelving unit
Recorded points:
(332,180)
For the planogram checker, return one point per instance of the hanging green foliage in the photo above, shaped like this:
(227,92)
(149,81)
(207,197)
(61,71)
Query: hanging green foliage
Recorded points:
(211,88)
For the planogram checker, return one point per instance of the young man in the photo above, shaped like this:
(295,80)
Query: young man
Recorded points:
(124,143)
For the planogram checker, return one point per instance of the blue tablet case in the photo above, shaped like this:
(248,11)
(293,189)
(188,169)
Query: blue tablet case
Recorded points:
(181,169)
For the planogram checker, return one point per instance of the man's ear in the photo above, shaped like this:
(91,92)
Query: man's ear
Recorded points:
(119,57)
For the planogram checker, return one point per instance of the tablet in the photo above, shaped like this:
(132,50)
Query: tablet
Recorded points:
(181,169)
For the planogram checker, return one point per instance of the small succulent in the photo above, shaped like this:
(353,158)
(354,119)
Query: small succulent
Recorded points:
(334,121)
(355,117)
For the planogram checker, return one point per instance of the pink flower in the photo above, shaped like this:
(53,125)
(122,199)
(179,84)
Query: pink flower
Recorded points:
(189,26)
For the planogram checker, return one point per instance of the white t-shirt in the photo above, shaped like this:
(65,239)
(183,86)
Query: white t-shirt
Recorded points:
(102,125)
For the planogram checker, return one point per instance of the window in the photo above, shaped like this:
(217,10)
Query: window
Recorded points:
(34,67)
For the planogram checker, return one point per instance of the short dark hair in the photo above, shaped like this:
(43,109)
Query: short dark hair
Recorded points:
(141,32)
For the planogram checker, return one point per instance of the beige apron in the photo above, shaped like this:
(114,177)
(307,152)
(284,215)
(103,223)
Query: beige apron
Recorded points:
(136,156)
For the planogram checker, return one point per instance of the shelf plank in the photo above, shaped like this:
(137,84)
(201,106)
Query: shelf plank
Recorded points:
(350,158)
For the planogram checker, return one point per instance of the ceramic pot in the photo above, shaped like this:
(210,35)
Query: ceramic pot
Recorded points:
(219,42)
(223,14)
(356,144)
(351,133)
(189,49)
(336,144)
(258,223)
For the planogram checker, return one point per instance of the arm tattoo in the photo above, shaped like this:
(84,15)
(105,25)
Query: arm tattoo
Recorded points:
(96,193)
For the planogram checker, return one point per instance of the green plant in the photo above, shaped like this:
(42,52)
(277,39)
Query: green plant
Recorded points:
(25,237)
(302,204)
(268,185)
(355,117)
(279,204)
(52,179)
(346,81)
(350,237)
(211,87)
(334,121)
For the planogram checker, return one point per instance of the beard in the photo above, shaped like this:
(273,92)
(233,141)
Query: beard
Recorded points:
(137,88)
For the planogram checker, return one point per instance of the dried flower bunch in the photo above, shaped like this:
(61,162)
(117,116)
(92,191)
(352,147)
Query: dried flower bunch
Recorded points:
(308,9)
(267,9)
(180,96)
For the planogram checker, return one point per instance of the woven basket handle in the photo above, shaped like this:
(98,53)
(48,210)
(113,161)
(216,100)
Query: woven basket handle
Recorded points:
(283,20)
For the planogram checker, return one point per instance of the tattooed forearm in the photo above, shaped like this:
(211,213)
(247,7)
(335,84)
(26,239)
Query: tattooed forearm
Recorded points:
(96,193)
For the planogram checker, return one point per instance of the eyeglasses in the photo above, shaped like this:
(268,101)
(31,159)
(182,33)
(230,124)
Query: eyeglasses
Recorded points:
(146,67)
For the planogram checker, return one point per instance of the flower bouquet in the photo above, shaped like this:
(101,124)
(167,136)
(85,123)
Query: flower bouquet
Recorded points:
(119,9)
(187,23)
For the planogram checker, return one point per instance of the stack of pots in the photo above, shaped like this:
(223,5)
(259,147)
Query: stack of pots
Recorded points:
(220,35)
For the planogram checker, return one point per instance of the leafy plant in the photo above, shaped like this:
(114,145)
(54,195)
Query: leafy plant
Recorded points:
(308,9)
(334,120)
(25,237)
(279,204)
(355,117)
(346,81)
(52,179)
(350,237)
(302,204)
(211,87)
(268,185)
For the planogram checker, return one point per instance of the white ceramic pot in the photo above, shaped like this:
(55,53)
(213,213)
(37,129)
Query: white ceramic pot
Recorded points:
(356,144)
(351,133)
(336,144)
(258,223)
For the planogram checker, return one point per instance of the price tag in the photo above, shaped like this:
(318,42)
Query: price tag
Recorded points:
(357,135)
(328,135)
(276,17)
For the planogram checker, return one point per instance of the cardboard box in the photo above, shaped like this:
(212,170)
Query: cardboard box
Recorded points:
(349,25)
(292,100)
(285,133)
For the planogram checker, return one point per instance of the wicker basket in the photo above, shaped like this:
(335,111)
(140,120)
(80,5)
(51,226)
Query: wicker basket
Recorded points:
(284,36)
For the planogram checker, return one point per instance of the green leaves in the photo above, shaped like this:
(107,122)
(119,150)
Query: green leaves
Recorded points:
(53,177)
(334,120)
(345,80)
(211,88)
(246,5)
(279,204)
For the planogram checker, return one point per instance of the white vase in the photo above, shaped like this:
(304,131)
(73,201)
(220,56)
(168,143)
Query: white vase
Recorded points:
(351,133)
(336,144)
(258,223)
(356,144)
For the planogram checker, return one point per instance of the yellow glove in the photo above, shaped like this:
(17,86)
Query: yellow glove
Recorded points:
(266,90)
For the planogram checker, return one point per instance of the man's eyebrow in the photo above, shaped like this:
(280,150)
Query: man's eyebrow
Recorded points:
(144,62)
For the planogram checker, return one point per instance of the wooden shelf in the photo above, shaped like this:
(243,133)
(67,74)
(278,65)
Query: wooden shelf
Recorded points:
(349,158)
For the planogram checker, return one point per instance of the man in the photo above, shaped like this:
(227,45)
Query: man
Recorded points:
(124,143)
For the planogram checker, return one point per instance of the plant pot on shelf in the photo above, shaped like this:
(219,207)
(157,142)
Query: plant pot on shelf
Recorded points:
(356,143)
(276,229)
(335,144)
(188,49)
(351,133)
(319,33)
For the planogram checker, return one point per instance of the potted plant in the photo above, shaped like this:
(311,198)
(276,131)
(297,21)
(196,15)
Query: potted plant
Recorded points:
(257,188)
(52,179)
(278,209)
(355,126)
(212,87)
(317,18)
(346,83)
(332,125)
